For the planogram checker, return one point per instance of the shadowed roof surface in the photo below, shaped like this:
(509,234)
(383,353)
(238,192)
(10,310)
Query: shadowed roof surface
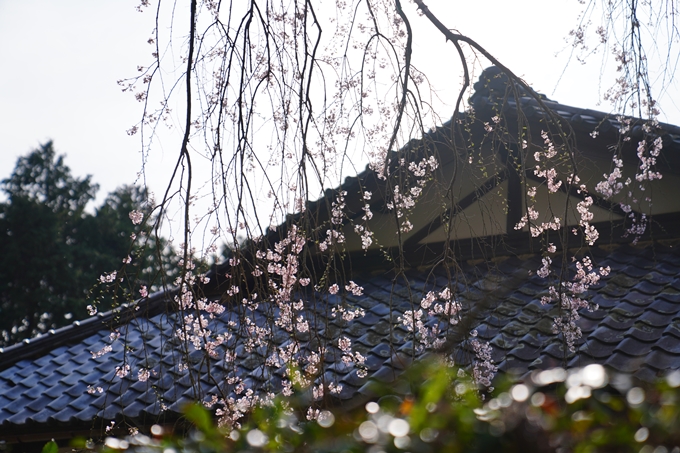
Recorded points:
(635,330)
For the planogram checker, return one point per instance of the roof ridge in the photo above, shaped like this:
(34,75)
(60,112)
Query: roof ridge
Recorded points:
(81,329)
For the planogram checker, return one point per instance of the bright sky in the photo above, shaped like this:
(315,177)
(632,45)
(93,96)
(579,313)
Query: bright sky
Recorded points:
(61,61)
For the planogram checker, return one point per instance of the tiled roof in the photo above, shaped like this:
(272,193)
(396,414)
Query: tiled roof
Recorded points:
(635,330)
(491,89)
(44,382)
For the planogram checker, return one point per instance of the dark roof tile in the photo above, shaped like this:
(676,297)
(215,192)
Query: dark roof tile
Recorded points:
(504,342)
(383,350)
(545,362)
(352,378)
(620,281)
(495,321)
(516,327)
(65,415)
(653,318)
(23,416)
(673,328)
(525,351)
(93,378)
(77,390)
(4,403)
(24,369)
(369,318)
(13,391)
(623,255)
(647,374)
(594,315)
(61,356)
(614,291)
(628,310)
(35,391)
(645,332)
(643,259)
(675,284)
(597,349)
(581,360)
(637,298)
(558,350)
(107,365)
(8,374)
(31,380)
(634,347)
(536,338)
(73,378)
(668,268)
(58,404)
(54,391)
(20,401)
(137,408)
(399,361)
(156,408)
(534,307)
(47,369)
(514,365)
(83,357)
(637,269)
(111,411)
(670,295)
(607,335)
(385,374)
(347,392)
(587,325)
(605,302)
(42,416)
(624,362)
(148,398)
(647,287)
(662,360)
(658,278)
(373,361)
(617,321)
(487,332)
(89,413)
(128,398)
(664,307)
(670,344)
(78,403)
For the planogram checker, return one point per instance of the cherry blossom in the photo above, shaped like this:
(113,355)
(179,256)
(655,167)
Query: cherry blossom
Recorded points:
(136,216)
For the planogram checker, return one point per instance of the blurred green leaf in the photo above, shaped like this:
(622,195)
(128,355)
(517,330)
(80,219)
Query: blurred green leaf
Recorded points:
(199,416)
(50,447)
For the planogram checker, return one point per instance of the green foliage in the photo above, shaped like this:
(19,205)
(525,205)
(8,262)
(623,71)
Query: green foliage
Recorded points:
(50,447)
(54,251)
(43,178)
(40,280)
(434,408)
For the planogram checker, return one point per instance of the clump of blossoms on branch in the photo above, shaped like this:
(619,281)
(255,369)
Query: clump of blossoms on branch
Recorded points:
(403,199)
(483,368)
(570,293)
(648,150)
(430,322)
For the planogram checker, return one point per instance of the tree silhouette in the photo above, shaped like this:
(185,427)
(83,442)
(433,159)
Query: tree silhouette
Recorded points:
(54,251)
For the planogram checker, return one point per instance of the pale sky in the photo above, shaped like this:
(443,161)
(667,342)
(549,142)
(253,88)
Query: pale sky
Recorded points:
(61,60)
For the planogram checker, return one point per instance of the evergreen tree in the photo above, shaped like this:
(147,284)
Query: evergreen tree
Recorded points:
(53,251)
(40,280)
